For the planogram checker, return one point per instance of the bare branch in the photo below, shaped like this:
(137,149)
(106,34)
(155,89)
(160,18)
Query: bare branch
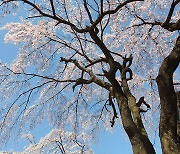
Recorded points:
(98,20)
(114,111)
(88,12)
(52,6)
(173,5)
(93,77)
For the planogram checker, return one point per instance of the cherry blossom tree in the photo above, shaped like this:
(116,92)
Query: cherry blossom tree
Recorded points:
(86,64)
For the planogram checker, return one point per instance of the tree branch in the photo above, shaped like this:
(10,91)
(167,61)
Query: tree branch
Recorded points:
(173,5)
(52,6)
(114,110)
(96,80)
(99,19)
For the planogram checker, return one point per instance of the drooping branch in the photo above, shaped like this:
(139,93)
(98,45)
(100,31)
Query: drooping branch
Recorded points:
(29,92)
(40,76)
(114,110)
(54,16)
(63,21)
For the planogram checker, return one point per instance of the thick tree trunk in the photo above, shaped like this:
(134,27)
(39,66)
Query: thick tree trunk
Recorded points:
(140,143)
(178,115)
(131,122)
(168,117)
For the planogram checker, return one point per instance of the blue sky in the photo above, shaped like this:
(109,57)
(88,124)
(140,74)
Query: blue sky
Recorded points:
(109,143)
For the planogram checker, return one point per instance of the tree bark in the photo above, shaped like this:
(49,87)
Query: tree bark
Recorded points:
(140,143)
(135,130)
(168,115)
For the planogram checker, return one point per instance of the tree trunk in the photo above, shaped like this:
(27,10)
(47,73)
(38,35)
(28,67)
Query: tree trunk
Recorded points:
(140,143)
(168,115)
(132,124)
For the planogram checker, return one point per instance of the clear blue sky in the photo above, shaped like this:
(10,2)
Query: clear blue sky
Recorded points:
(109,143)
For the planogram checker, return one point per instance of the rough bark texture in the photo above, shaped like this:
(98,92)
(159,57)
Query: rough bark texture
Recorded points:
(140,143)
(130,114)
(178,116)
(168,117)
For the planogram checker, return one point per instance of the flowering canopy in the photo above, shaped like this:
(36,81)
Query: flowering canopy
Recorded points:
(64,69)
